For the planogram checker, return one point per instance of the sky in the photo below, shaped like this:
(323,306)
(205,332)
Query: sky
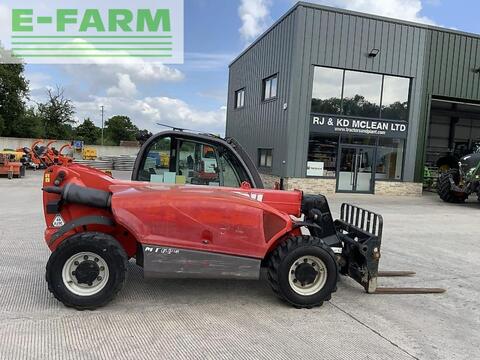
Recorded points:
(194,95)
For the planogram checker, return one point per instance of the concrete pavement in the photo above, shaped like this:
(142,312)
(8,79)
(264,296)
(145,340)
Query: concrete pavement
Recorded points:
(191,319)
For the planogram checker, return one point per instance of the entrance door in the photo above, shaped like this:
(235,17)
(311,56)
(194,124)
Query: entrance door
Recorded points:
(355,173)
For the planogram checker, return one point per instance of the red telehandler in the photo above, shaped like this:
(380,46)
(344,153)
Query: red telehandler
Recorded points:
(95,224)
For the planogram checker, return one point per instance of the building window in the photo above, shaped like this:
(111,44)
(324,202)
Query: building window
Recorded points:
(355,93)
(327,91)
(240,98)
(265,157)
(390,159)
(270,87)
(322,155)
(359,140)
(361,94)
(395,98)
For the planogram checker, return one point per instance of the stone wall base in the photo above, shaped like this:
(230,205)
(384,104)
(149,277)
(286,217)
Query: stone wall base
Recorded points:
(398,188)
(312,186)
(328,186)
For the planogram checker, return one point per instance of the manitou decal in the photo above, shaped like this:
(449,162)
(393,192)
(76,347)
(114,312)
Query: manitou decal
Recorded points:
(160,250)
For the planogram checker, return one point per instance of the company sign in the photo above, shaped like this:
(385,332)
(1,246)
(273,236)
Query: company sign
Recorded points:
(358,126)
(71,31)
(315,168)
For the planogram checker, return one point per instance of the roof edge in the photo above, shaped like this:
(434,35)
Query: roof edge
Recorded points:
(266,32)
(385,18)
(355,13)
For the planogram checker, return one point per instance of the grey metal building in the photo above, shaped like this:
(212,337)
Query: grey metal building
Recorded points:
(334,100)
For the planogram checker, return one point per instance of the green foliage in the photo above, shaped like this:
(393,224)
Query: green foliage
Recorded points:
(2,126)
(397,110)
(142,136)
(359,106)
(327,106)
(57,115)
(13,92)
(28,125)
(120,128)
(88,132)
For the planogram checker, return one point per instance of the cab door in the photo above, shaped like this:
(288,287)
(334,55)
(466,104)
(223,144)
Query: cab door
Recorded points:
(178,159)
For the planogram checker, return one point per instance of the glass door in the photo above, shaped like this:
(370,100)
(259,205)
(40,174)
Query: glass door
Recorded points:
(355,173)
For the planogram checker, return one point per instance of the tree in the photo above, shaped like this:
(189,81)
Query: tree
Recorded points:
(327,106)
(120,128)
(88,132)
(13,92)
(353,106)
(29,125)
(397,110)
(143,135)
(57,115)
(2,126)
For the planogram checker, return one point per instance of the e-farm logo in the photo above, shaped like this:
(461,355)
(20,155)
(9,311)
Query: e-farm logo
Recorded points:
(63,32)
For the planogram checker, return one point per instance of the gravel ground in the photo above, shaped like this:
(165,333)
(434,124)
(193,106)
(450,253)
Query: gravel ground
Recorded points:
(191,319)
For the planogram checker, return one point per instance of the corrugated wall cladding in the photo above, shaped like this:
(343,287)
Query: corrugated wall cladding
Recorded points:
(450,61)
(336,39)
(262,124)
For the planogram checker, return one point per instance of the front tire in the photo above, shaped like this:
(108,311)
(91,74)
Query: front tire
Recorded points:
(87,270)
(303,272)
(444,188)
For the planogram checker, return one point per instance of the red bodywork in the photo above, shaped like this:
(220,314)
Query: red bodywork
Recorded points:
(235,221)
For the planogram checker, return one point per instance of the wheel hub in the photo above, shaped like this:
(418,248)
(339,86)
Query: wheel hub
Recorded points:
(308,275)
(305,273)
(87,272)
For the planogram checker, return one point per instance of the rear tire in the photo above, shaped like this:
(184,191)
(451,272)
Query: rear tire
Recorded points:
(87,270)
(444,188)
(303,271)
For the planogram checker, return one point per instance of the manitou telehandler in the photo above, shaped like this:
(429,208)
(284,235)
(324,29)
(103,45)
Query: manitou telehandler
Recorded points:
(229,227)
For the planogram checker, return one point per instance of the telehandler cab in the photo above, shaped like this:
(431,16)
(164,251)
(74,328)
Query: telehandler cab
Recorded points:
(229,227)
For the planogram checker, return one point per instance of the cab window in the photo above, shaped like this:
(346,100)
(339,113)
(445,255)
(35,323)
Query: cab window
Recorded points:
(230,175)
(197,164)
(203,164)
(179,161)
(157,161)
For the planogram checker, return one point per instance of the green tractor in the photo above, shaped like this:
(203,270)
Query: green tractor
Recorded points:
(458,183)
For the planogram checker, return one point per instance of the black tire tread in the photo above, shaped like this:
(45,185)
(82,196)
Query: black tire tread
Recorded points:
(444,187)
(277,256)
(110,244)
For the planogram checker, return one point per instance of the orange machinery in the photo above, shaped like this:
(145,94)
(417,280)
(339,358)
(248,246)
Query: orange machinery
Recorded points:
(43,156)
(11,168)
